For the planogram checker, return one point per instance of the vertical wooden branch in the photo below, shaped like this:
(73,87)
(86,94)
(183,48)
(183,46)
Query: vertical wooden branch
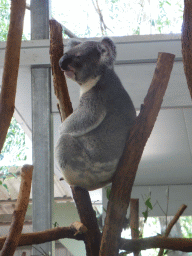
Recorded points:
(18,217)
(125,175)
(187,42)
(81,196)
(88,218)
(134,220)
(59,81)
(11,67)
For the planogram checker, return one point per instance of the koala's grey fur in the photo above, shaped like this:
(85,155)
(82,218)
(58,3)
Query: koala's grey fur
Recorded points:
(93,137)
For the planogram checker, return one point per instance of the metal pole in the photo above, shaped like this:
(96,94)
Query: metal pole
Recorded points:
(42,186)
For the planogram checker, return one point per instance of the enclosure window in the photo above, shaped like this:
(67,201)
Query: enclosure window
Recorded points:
(16,150)
(5,16)
(92,18)
(156,226)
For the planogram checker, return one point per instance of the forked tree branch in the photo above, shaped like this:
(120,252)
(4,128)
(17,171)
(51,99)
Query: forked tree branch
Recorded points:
(11,67)
(126,171)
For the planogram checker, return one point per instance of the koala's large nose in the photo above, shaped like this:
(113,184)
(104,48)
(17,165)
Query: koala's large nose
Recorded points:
(65,61)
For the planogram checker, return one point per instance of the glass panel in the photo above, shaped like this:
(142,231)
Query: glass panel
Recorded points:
(4,21)
(120,17)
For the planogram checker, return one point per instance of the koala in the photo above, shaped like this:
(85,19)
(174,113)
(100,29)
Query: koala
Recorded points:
(93,137)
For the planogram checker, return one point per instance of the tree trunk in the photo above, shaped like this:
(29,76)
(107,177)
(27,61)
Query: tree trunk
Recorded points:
(187,42)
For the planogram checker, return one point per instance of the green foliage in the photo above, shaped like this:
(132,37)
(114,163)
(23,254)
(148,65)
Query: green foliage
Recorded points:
(148,207)
(14,143)
(186,223)
(55,224)
(166,252)
(163,19)
(14,147)
(108,191)
(4,19)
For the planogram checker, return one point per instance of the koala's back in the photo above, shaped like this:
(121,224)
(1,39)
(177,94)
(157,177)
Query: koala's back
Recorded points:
(106,142)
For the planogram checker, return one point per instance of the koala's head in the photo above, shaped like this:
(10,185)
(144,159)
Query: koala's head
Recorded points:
(85,60)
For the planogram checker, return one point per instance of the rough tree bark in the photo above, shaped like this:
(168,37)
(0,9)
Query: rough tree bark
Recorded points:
(18,217)
(187,42)
(59,81)
(11,66)
(80,195)
(126,171)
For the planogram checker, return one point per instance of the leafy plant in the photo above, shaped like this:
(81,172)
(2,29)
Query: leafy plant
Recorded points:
(14,150)
(148,208)
(4,19)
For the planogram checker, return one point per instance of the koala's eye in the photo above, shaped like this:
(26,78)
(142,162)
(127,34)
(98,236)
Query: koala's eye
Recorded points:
(77,62)
(103,50)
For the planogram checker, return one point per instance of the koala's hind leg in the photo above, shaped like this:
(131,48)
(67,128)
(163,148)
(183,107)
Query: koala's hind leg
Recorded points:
(72,159)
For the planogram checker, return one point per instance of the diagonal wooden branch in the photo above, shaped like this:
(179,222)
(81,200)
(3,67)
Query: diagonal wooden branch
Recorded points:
(172,223)
(125,175)
(186,40)
(18,217)
(11,67)
(80,195)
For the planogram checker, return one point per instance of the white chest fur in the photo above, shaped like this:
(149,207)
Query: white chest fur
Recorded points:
(88,85)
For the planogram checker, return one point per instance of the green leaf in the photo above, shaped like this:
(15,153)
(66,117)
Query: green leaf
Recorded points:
(5,186)
(108,191)
(148,203)
(13,174)
(145,215)
(165,252)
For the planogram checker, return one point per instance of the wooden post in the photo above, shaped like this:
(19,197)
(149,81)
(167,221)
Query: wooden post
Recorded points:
(134,220)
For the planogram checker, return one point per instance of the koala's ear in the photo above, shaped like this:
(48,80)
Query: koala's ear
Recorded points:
(109,44)
(72,43)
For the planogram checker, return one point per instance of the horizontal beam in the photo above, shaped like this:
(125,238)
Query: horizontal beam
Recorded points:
(131,49)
